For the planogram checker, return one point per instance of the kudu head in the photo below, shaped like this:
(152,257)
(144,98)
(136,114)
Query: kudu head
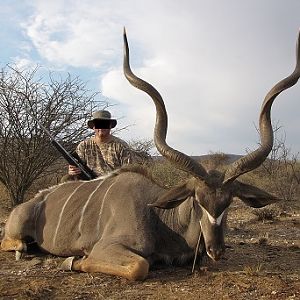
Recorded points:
(213,191)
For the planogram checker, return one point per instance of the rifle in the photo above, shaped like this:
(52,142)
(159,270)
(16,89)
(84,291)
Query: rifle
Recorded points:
(73,159)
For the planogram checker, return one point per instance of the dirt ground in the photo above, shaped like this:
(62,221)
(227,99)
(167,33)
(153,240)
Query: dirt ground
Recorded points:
(262,261)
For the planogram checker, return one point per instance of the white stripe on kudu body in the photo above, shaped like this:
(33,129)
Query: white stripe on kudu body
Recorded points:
(102,205)
(86,204)
(62,211)
(212,220)
(36,210)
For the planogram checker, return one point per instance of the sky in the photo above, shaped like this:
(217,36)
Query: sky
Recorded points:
(213,62)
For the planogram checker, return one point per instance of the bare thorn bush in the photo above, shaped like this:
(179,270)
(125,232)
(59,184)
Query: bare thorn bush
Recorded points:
(266,214)
(62,105)
(280,173)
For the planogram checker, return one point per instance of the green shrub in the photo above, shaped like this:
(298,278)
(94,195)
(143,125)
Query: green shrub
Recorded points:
(166,174)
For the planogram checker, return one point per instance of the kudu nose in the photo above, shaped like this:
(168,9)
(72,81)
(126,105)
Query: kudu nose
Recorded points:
(215,252)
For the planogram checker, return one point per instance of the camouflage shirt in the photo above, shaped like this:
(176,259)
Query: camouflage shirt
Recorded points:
(105,157)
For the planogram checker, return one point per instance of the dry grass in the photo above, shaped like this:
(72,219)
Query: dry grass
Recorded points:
(267,213)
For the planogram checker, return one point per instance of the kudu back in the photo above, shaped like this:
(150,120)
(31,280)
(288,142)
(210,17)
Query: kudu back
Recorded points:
(122,223)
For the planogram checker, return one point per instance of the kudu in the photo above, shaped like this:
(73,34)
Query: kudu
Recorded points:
(123,223)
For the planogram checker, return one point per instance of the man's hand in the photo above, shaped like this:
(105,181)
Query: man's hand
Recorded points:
(73,170)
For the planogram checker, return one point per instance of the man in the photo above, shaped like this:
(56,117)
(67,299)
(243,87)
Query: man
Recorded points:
(103,152)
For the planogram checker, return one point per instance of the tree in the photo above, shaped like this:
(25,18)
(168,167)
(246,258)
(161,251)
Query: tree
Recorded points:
(142,150)
(280,173)
(62,105)
(282,169)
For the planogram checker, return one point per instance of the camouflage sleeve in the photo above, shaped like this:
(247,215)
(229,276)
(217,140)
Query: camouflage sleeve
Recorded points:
(80,150)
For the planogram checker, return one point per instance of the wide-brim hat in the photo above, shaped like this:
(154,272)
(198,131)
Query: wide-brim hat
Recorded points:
(104,115)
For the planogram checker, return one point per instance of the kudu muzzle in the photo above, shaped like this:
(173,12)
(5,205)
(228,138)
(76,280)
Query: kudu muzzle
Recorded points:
(213,234)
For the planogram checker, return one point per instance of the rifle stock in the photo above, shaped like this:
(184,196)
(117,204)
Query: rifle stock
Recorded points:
(74,160)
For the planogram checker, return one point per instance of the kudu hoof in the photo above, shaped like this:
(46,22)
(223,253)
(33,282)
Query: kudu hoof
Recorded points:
(19,255)
(67,264)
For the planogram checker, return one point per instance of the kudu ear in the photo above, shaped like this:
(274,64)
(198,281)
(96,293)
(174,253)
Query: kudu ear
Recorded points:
(174,196)
(253,196)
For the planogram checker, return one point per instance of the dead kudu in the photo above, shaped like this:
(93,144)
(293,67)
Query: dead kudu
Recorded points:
(125,222)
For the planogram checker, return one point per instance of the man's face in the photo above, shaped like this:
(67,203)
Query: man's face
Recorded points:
(102,132)
(102,128)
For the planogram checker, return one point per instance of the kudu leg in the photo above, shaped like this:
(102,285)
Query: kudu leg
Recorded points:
(9,244)
(114,260)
